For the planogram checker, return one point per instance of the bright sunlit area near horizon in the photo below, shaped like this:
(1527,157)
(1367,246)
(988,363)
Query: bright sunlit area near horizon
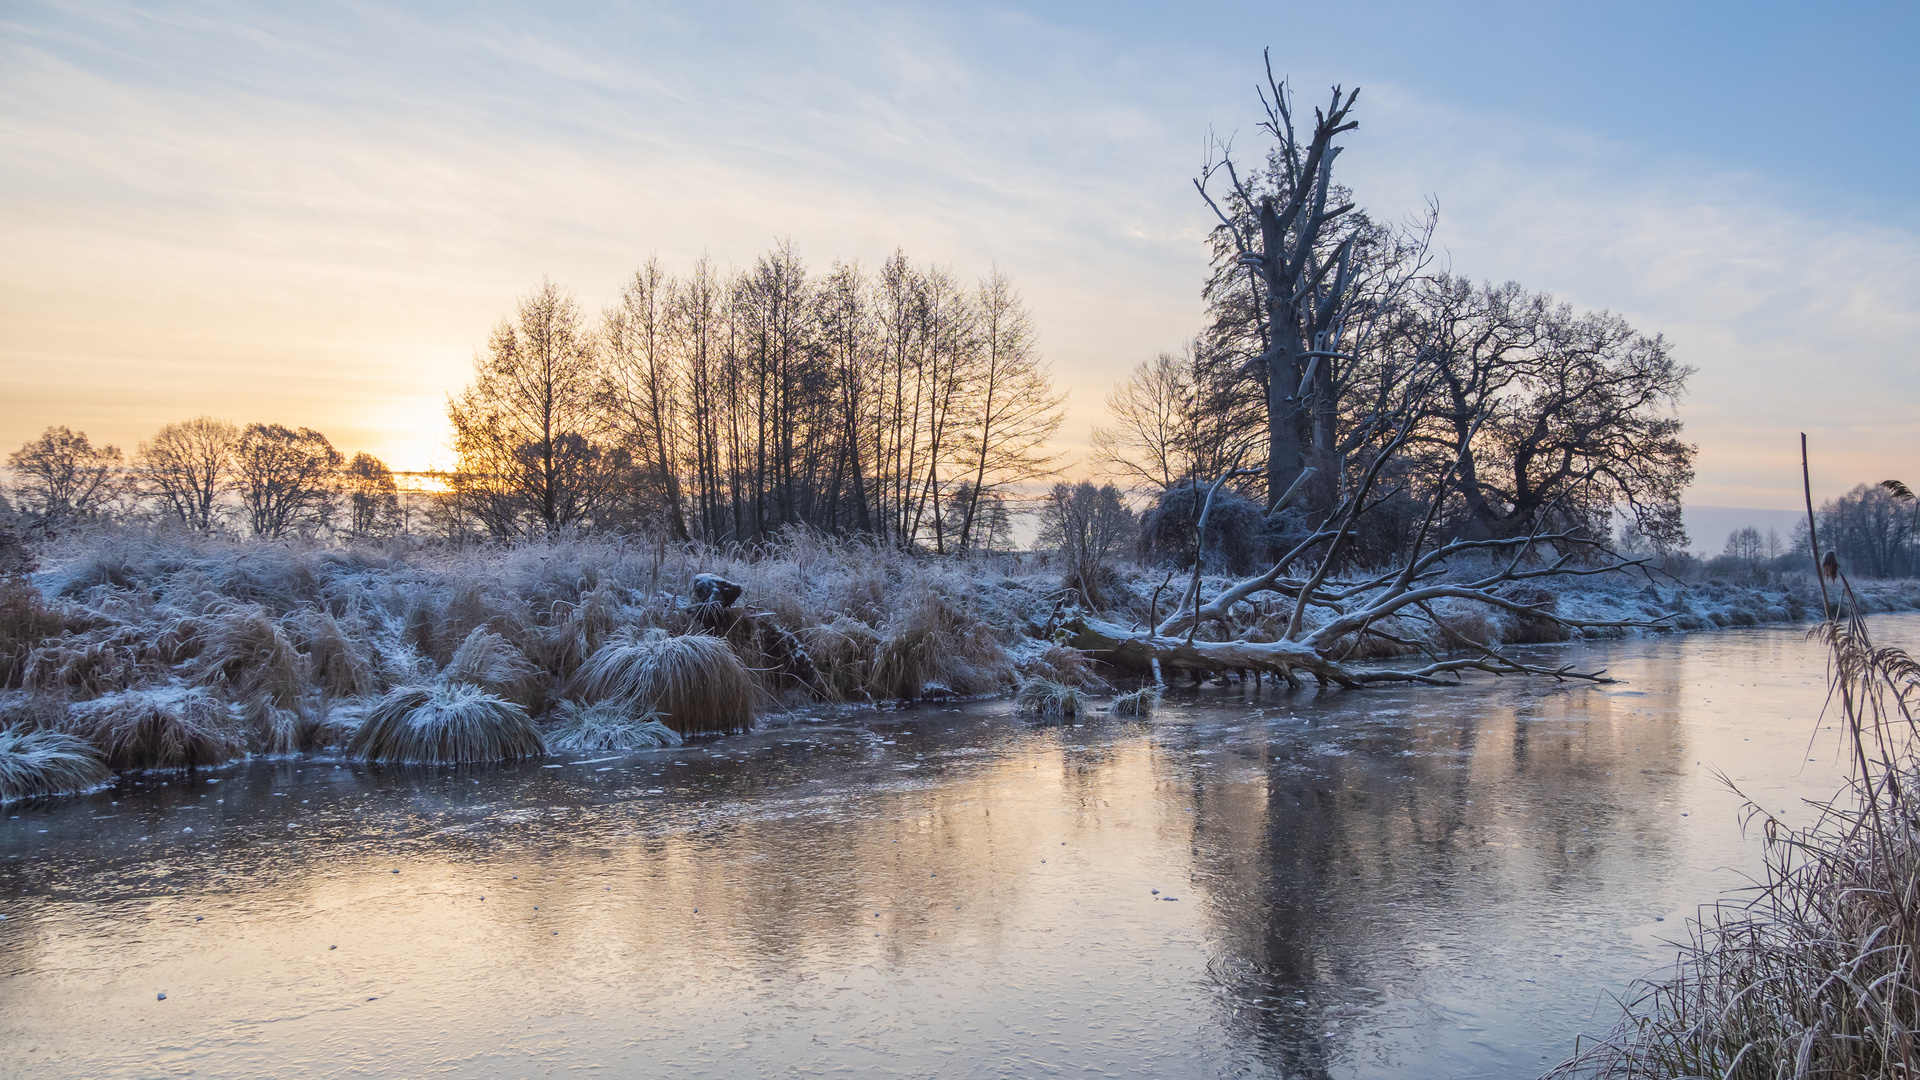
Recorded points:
(959,540)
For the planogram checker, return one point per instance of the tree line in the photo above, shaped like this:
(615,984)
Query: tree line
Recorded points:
(900,405)
(270,479)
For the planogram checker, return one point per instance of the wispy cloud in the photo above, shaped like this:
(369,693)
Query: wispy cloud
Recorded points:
(314,214)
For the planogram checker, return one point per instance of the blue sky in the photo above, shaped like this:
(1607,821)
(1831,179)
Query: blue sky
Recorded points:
(313,214)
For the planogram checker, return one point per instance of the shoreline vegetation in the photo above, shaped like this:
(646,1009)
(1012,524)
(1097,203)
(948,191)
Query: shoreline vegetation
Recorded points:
(1815,971)
(168,649)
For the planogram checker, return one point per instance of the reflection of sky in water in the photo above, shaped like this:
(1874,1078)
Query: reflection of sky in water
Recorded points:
(1441,881)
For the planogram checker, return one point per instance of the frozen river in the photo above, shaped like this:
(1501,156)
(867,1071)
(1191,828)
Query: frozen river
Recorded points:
(1388,882)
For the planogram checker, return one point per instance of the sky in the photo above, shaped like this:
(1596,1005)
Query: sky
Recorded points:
(313,214)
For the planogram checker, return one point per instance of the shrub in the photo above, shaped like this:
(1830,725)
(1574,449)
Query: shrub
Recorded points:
(1168,529)
(693,681)
(40,763)
(446,724)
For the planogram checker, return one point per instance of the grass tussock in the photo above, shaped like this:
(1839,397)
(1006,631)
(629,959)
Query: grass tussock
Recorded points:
(694,682)
(1818,974)
(1064,664)
(1049,700)
(446,724)
(1138,705)
(36,764)
(174,727)
(606,725)
(491,662)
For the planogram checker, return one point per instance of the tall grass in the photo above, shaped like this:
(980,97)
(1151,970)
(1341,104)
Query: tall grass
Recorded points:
(40,763)
(1818,973)
(694,682)
(447,724)
(171,727)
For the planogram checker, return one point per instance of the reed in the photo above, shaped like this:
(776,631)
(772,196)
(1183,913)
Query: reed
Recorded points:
(1818,973)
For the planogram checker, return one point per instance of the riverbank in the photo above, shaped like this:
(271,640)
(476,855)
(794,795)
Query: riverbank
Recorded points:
(284,647)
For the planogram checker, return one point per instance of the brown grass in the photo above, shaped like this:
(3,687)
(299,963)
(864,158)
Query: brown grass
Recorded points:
(693,681)
(446,724)
(36,764)
(173,727)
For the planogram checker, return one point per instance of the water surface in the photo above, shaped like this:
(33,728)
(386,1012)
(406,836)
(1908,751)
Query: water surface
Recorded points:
(1390,882)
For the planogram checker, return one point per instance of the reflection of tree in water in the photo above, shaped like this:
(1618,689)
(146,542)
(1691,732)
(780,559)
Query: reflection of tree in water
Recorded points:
(1455,803)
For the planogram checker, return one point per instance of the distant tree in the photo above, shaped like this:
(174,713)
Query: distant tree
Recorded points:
(1870,530)
(1154,440)
(1775,548)
(1746,545)
(527,429)
(373,499)
(1089,526)
(286,478)
(185,467)
(643,392)
(61,475)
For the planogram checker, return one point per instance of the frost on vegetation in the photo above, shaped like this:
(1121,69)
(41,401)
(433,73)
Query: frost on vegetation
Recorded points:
(1049,700)
(1138,705)
(34,764)
(165,727)
(445,724)
(606,725)
(695,683)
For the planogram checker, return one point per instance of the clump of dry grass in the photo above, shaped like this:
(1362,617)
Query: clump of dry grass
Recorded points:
(491,662)
(930,640)
(446,724)
(172,727)
(1138,705)
(1067,665)
(606,725)
(1818,974)
(693,681)
(34,764)
(26,619)
(1049,700)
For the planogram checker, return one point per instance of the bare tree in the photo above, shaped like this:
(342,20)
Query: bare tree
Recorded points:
(1301,289)
(61,475)
(1012,407)
(527,429)
(1156,440)
(1089,526)
(186,466)
(373,498)
(644,385)
(286,478)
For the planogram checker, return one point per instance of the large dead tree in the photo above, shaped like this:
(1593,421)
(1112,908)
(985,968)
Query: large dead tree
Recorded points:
(1301,290)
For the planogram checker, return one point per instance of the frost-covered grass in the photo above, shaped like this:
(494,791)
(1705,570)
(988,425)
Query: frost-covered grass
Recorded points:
(40,763)
(445,724)
(606,725)
(695,683)
(1049,700)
